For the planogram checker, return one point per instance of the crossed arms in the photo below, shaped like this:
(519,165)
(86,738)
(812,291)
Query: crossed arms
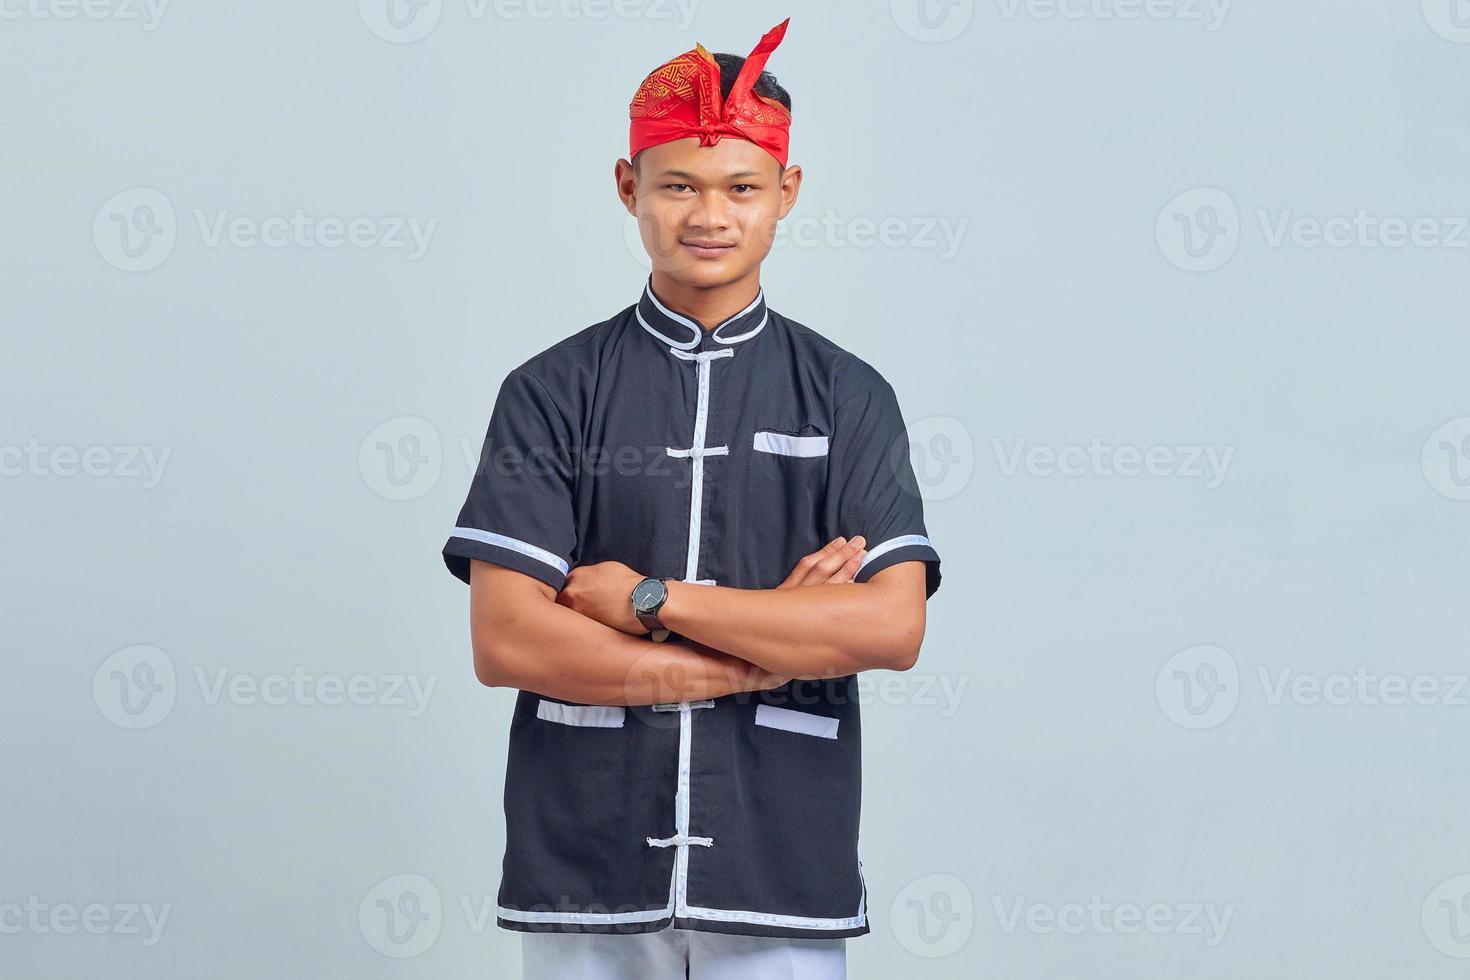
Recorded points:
(584,643)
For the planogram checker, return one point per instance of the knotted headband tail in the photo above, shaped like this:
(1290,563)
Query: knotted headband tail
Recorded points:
(755,63)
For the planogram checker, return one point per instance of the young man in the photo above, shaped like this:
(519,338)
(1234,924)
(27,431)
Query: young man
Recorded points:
(693,524)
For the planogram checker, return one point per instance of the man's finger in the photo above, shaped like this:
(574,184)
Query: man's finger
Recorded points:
(828,564)
(831,563)
(829,559)
(849,569)
(806,569)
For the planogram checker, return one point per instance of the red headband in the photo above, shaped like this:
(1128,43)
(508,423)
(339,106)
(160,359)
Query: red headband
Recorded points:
(681,98)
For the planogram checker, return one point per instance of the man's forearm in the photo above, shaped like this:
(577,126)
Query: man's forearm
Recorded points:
(555,651)
(812,631)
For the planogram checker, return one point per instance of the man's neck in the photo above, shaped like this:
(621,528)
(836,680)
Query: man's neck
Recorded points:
(709,306)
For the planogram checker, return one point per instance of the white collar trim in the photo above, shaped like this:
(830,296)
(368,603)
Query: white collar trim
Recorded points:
(697,332)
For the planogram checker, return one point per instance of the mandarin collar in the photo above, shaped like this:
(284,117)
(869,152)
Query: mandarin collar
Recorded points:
(676,330)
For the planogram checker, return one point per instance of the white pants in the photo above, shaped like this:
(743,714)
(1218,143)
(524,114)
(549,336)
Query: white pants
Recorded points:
(674,954)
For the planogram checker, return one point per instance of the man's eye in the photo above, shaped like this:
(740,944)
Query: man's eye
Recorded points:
(747,186)
(675,187)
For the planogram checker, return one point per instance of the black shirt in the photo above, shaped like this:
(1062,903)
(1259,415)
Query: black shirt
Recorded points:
(719,457)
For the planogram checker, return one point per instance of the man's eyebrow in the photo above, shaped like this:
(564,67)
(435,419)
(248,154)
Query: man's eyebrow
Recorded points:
(688,176)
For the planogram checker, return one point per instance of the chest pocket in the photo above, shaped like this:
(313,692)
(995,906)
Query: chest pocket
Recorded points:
(788,474)
(808,440)
(785,444)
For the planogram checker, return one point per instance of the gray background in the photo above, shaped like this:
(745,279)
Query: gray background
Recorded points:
(1118,700)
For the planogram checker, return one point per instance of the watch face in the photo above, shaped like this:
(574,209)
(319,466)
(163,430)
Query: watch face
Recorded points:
(647,594)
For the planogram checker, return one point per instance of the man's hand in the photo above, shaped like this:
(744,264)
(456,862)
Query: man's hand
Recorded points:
(604,592)
(836,563)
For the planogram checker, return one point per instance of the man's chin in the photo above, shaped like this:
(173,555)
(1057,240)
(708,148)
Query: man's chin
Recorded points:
(704,273)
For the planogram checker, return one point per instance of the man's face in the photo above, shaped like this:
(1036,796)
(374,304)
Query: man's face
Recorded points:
(707,214)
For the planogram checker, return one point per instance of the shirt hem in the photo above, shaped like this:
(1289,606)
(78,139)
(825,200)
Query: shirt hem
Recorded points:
(686,923)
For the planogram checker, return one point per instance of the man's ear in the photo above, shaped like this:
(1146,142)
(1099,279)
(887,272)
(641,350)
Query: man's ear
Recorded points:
(790,187)
(625,178)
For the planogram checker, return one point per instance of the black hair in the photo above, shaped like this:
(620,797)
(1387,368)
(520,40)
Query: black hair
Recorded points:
(766,84)
(730,65)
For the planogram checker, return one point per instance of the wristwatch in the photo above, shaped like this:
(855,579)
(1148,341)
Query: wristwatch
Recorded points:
(648,597)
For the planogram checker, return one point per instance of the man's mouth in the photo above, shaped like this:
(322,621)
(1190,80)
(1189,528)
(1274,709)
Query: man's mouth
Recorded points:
(707,246)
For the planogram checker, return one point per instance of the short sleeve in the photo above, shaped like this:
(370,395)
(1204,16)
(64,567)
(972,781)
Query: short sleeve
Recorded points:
(872,483)
(519,511)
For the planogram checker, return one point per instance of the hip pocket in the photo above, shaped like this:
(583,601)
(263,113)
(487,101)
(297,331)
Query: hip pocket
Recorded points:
(801,722)
(581,715)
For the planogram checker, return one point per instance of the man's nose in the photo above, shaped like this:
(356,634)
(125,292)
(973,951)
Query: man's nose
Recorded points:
(712,212)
